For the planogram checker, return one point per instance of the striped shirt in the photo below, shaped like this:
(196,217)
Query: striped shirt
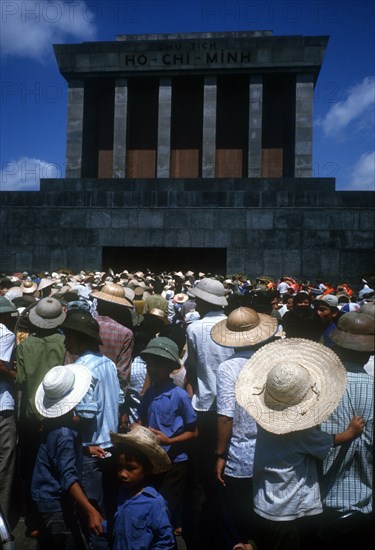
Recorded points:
(348,469)
(101,402)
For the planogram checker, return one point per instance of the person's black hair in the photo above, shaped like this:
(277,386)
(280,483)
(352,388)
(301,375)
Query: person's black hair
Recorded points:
(117,312)
(352,355)
(141,339)
(175,333)
(301,297)
(287,297)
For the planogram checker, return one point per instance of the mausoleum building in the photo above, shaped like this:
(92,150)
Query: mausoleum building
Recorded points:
(192,151)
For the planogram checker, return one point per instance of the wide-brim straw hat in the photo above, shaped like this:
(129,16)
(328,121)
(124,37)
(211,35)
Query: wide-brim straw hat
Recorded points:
(62,388)
(180,298)
(47,314)
(28,287)
(244,327)
(112,292)
(144,441)
(291,385)
(45,283)
(355,330)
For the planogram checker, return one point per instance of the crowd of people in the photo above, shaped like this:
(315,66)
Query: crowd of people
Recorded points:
(138,409)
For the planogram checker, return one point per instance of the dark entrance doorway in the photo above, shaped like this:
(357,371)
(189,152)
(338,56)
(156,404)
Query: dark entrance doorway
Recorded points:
(208,260)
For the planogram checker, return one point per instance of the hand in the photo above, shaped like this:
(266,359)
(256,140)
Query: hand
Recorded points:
(219,470)
(95,522)
(97,451)
(163,439)
(356,426)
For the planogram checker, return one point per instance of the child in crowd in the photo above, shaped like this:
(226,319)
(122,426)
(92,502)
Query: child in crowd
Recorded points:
(142,518)
(167,410)
(290,387)
(56,479)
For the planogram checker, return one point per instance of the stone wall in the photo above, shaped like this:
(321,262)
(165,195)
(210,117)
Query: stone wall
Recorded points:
(301,227)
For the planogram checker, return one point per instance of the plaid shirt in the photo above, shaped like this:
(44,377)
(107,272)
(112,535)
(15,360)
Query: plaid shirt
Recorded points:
(348,469)
(118,342)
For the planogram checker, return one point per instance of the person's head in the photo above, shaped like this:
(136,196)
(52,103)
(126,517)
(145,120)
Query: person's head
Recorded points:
(327,308)
(209,296)
(273,297)
(82,332)
(354,337)
(61,389)
(290,385)
(162,357)
(288,301)
(177,334)
(302,299)
(244,328)
(47,315)
(8,312)
(138,456)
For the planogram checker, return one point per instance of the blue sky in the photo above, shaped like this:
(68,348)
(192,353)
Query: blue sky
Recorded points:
(34,94)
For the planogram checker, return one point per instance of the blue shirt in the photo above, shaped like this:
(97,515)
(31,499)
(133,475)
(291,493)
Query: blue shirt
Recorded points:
(142,523)
(57,467)
(170,411)
(101,402)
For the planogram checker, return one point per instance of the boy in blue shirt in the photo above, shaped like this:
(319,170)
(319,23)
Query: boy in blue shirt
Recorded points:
(167,410)
(55,484)
(142,520)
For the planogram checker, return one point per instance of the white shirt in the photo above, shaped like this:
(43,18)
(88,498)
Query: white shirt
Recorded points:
(282,287)
(244,429)
(204,357)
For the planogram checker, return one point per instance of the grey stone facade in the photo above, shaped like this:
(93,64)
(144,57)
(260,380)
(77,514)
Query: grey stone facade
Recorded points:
(300,227)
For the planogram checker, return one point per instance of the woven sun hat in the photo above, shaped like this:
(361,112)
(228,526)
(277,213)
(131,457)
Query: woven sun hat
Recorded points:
(355,330)
(244,327)
(62,388)
(28,287)
(211,291)
(145,442)
(162,347)
(48,313)
(112,292)
(180,298)
(129,293)
(13,292)
(45,283)
(291,385)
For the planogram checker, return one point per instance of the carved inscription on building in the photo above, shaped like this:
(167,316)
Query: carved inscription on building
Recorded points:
(197,54)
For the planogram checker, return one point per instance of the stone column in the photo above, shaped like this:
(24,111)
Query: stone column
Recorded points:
(119,128)
(254,157)
(164,128)
(209,127)
(304,126)
(74,132)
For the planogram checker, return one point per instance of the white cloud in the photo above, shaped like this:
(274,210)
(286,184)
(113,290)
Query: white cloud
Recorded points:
(24,174)
(28,28)
(358,103)
(363,174)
